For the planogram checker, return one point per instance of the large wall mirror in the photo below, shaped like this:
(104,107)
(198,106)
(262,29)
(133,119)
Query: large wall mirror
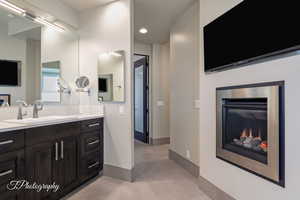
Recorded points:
(34,60)
(111,77)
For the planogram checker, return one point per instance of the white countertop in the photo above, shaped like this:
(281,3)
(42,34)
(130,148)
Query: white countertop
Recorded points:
(13,125)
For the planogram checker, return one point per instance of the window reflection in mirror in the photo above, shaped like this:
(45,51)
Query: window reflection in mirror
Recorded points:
(111,85)
(49,82)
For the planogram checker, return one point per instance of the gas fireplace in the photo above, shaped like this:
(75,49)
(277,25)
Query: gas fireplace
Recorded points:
(250,128)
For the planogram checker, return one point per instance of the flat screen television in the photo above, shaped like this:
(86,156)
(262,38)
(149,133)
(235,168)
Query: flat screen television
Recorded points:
(251,31)
(10,74)
(102,84)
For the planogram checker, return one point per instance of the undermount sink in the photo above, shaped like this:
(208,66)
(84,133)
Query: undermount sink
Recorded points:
(41,120)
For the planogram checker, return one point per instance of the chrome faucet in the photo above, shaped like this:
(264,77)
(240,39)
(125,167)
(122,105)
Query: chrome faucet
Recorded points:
(37,106)
(21,114)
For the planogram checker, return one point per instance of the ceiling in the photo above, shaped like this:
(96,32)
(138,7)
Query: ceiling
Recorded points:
(157,16)
(80,5)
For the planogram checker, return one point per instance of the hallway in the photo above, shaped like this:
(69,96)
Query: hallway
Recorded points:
(157,178)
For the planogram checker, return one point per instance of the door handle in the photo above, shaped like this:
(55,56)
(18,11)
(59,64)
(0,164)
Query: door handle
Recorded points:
(6,173)
(62,150)
(93,125)
(95,142)
(93,165)
(6,142)
(56,151)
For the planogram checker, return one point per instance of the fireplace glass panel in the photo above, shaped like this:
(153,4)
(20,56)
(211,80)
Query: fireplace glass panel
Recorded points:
(245,127)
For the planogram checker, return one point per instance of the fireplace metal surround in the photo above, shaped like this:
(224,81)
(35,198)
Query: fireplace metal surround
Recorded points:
(273,169)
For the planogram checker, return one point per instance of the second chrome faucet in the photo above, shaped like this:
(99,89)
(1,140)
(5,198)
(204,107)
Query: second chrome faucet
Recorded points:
(37,106)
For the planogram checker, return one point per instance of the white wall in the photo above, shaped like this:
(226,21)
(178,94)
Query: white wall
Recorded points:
(105,29)
(12,48)
(237,182)
(184,117)
(33,72)
(160,83)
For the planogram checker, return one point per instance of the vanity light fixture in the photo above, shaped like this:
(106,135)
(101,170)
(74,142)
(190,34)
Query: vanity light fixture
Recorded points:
(143,31)
(46,23)
(12,7)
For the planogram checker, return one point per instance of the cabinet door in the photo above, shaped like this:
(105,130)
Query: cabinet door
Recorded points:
(11,168)
(67,170)
(40,164)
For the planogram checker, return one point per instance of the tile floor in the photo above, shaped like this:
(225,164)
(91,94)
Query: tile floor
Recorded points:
(156,178)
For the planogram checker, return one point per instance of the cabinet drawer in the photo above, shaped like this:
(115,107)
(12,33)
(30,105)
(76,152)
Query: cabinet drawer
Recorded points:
(91,125)
(91,165)
(90,142)
(11,168)
(39,135)
(11,141)
(68,129)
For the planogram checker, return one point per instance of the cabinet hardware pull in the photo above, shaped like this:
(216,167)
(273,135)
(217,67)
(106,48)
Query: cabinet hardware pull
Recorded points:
(95,142)
(56,151)
(6,142)
(6,173)
(62,150)
(93,125)
(93,165)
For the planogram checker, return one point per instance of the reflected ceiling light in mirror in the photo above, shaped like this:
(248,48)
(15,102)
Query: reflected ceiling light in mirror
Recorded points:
(49,24)
(115,54)
(12,7)
(143,31)
(104,56)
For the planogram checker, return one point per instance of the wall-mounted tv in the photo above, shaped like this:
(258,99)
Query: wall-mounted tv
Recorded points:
(102,82)
(10,73)
(251,31)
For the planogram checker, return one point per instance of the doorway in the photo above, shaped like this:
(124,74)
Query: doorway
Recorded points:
(141,98)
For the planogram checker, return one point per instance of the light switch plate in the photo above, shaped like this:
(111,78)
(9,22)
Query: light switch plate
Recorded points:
(160,103)
(197,104)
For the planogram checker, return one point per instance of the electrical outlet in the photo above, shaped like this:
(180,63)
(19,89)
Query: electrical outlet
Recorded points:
(188,154)
(121,110)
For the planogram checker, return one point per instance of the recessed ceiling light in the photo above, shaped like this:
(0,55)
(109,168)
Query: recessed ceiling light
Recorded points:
(143,31)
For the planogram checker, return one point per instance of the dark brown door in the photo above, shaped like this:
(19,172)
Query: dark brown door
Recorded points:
(40,165)
(66,173)
(141,93)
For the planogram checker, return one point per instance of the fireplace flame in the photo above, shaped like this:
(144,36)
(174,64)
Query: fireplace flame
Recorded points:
(249,140)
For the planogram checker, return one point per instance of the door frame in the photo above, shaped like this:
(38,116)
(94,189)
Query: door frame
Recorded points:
(146,93)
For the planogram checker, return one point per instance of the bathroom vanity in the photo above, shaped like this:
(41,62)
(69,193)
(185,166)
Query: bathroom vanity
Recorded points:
(67,152)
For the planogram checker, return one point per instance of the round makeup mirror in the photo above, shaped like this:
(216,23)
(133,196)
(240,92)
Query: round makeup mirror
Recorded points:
(82,82)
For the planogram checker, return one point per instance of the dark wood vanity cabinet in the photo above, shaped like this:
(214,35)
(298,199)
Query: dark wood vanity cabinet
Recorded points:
(11,163)
(65,154)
